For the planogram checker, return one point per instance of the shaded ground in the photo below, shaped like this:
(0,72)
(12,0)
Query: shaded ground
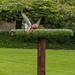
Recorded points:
(6,26)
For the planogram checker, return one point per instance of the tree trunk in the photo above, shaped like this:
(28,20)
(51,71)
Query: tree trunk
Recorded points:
(18,24)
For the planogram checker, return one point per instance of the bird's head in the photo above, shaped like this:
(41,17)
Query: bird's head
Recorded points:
(25,25)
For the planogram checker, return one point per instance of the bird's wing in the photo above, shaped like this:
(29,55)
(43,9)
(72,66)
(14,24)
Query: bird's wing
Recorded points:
(34,26)
(26,19)
(38,22)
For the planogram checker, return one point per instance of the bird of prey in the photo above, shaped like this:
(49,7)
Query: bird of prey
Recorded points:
(34,26)
(28,26)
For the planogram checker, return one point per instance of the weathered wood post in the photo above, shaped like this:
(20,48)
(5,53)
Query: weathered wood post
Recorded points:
(41,56)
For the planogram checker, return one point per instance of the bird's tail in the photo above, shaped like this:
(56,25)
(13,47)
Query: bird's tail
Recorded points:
(38,22)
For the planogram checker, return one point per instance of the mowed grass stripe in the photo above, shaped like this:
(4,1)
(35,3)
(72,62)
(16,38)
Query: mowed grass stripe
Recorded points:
(24,62)
(60,62)
(17,61)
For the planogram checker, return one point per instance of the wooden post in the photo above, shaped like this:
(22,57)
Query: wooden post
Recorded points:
(41,56)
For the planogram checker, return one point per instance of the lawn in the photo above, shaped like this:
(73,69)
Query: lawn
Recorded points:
(24,62)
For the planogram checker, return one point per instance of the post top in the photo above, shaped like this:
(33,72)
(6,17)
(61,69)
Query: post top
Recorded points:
(44,33)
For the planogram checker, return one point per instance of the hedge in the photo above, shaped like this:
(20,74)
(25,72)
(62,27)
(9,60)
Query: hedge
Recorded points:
(45,33)
(22,41)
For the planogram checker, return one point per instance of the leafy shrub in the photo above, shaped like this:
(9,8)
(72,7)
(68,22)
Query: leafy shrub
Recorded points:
(44,33)
(55,13)
(23,42)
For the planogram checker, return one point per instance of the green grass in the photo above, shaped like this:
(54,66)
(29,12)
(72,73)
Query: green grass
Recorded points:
(24,62)
(60,62)
(17,62)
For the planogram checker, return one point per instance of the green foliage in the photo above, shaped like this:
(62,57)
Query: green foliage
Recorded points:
(55,13)
(11,8)
(25,41)
(44,33)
